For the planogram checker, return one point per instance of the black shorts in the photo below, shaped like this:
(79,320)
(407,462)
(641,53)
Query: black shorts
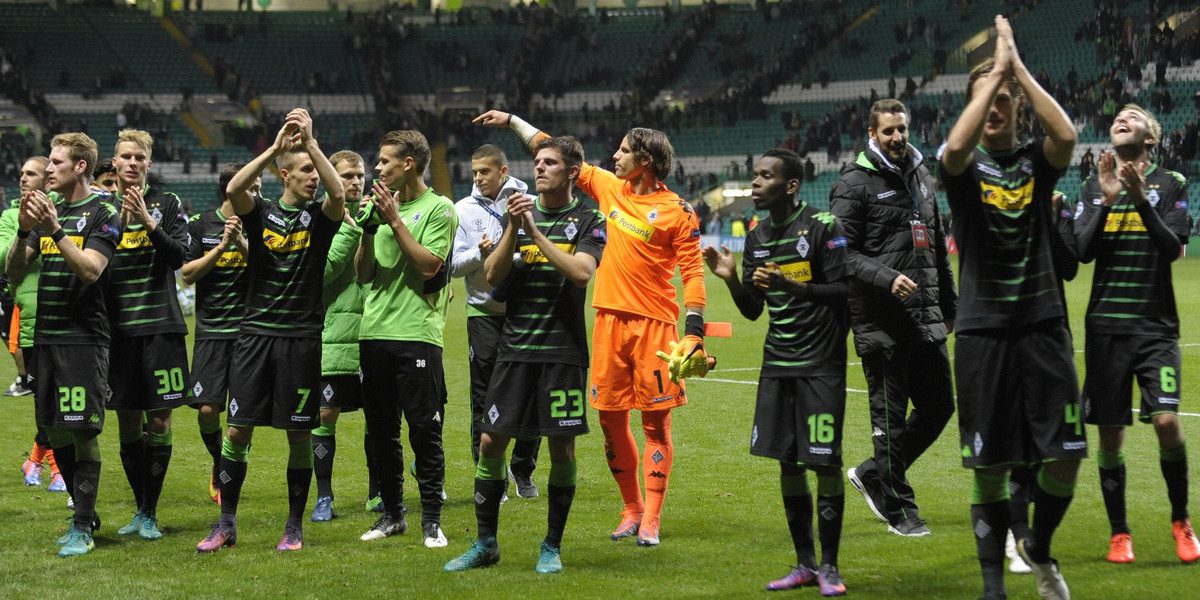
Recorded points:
(799,419)
(212,365)
(71,385)
(1018,396)
(148,372)
(536,399)
(1113,361)
(275,382)
(341,391)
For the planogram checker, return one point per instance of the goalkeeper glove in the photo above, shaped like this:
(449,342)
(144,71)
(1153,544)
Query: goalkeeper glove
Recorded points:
(687,359)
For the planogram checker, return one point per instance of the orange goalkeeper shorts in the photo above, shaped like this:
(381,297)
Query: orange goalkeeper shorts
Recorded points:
(626,373)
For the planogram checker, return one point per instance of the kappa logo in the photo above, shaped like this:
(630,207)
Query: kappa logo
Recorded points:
(989,170)
(762,253)
(276,219)
(821,450)
(887,194)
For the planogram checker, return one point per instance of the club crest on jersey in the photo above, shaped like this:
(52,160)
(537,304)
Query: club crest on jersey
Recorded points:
(156,215)
(305,219)
(570,231)
(652,216)
(802,247)
(1153,197)
(416,217)
(81,223)
(1078,210)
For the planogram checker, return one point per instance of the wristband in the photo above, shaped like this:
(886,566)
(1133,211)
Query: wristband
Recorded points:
(370,230)
(523,129)
(57,236)
(694,325)
(22,234)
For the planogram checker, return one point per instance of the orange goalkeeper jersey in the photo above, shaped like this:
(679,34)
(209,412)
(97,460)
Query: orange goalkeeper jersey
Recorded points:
(648,236)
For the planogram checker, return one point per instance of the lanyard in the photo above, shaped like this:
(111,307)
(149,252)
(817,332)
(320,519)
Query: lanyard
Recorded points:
(491,212)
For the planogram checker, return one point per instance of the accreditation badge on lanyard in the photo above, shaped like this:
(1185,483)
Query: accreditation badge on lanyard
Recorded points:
(920,235)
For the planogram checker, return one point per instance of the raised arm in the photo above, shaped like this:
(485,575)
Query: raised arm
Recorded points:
(529,134)
(196,269)
(960,143)
(498,264)
(238,191)
(387,203)
(723,265)
(19,253)
(334,206)
(87,264)
(1060,132)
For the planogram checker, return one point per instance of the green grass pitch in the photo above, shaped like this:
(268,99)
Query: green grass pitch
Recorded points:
(723,533)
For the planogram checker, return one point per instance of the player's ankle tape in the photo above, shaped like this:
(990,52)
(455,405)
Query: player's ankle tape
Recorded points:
(563,474)
(1172,454)
(1110,459)
(235,452)
(830,485)
(160,439)
(300,455)
(490,469)
(987,488)
(1053,485)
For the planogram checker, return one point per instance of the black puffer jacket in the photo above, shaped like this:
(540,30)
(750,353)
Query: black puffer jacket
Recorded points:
(874,203)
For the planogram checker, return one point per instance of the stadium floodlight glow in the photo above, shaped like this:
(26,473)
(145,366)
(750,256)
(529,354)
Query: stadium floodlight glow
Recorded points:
(735,193)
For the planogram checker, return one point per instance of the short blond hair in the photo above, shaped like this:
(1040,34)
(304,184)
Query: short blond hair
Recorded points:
(349,155)
(1151,122)
(79,147)
(137,136)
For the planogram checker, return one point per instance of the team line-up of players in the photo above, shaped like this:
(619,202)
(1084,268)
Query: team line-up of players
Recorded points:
(307,307)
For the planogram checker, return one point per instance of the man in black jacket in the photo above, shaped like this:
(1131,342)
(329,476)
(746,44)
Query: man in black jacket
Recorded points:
(902,307)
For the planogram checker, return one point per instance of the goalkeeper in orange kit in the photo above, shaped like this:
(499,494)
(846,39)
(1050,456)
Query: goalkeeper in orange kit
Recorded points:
(651,231)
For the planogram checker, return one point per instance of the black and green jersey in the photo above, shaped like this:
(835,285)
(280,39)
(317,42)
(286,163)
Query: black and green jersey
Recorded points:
(806,336)
(221,294)
(1003,222)
(141,293)
(1132,292)
(288,248)
(70,312)
(544,321)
